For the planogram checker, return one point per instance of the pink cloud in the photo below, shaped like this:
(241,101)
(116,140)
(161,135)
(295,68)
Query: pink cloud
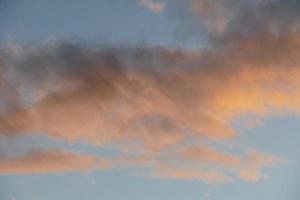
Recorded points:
(152,5)
(153,101)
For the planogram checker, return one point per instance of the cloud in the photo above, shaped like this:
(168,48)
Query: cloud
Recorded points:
(154,97)
(150,102)
(209,176)
(255,163)
(48,161)
(103,95)
(214,20)
(209,155)
(105,101)
(152,5)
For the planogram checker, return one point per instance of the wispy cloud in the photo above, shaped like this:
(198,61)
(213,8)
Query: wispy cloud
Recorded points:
(49,161)
(209,176)
(153,5)
(153,101)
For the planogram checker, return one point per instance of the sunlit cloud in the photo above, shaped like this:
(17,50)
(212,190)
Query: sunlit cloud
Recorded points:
(209,176)
(49,161)
(158,106)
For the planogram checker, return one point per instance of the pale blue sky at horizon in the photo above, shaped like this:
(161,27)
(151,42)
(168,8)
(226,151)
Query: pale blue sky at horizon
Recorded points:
(130,22)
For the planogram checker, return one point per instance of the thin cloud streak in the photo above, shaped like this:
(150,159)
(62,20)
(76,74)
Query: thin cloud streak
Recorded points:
(152,5)
(49,161)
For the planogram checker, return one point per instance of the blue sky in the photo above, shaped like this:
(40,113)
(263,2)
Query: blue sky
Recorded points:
(83,96)
(113,22)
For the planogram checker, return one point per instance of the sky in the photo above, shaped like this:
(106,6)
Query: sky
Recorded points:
(149,99)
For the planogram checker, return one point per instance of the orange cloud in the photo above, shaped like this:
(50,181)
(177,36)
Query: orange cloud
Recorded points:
(48,161)
(209,176)
(107,104)
(209,155)
(154,99)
